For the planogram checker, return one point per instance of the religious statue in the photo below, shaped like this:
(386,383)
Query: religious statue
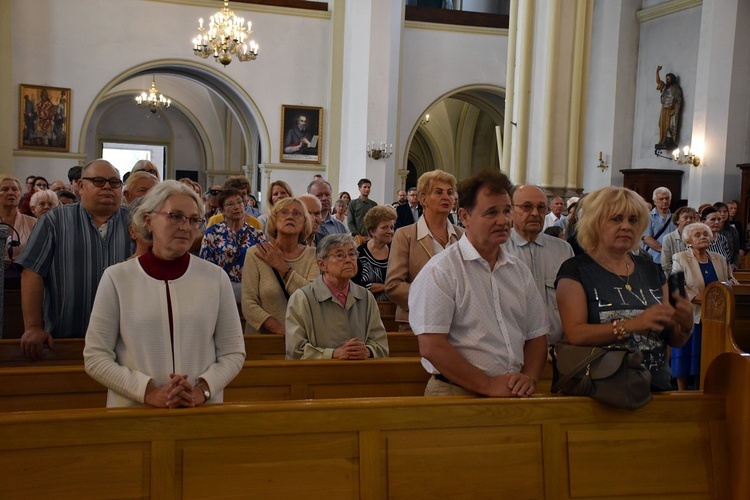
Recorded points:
(671,104)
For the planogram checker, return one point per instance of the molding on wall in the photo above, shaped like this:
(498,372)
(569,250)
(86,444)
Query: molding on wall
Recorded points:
(48,154)
(251,7)
(297,167)
(456,28)
(666,9)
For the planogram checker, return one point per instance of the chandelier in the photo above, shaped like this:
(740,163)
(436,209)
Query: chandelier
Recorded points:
(225,37)
(154,101)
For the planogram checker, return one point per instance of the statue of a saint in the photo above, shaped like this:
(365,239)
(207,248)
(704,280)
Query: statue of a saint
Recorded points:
(671,104)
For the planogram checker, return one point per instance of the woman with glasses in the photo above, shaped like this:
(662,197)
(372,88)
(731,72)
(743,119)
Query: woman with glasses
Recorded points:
(275,270)
(39,184)
(415,244)
(226,243)
(147,342)
(146,166)
(334,318)
(43,201)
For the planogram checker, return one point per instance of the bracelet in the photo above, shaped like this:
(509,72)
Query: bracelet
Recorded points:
(618,328)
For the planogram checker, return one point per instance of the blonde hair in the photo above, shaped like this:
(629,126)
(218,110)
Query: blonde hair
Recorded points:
(4,178)
(278,207)
(428,179)
(604,203)
(287,188)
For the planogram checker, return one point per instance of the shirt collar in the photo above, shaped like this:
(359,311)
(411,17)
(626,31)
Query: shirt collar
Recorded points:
(520,241)
(468,252)
(340,295)
(423,231)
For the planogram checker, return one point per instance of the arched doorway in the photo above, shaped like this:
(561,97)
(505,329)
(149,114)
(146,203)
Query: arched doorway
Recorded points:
(212,127)
(462,135)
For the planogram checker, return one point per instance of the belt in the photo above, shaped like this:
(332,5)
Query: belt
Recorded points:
(445,379)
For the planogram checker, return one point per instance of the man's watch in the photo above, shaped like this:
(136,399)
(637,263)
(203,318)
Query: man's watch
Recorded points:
(206,392)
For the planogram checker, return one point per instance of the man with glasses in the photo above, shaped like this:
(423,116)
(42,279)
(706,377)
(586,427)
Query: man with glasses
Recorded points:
(211,201)
(409,212)
(65,257)
(333,317)
(543,254)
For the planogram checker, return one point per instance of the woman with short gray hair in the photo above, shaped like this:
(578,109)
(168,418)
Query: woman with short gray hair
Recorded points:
(334,317)
(146,341)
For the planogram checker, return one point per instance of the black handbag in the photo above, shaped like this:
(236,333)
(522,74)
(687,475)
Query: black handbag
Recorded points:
(614,374)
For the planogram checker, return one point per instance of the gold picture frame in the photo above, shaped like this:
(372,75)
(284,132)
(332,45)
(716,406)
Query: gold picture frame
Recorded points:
(301,142)
(44,118)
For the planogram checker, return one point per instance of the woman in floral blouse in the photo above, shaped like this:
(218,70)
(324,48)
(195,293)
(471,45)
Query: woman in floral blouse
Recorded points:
(226,243)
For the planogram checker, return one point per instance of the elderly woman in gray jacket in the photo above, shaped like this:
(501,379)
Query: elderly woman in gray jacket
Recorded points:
(334,317)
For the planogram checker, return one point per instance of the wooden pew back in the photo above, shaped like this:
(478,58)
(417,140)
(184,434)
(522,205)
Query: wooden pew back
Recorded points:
(443,447)
(725,317)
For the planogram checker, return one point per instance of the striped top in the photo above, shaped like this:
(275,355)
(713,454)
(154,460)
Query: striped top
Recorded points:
(70,254)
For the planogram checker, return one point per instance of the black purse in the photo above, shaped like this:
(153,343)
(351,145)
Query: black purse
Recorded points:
(614,374)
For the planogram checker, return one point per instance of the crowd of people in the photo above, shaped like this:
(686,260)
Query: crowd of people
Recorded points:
(488,276)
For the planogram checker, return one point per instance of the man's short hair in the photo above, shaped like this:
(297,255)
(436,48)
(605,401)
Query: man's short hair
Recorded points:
(678,213)
(88,166)
(74,173)
(363,181)
(661,190)
(332,241)
(238,182)
(496,182)
(411,189)
(318,183)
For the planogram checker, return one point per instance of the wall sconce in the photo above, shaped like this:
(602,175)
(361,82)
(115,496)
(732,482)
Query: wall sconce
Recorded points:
(603,166)
(688,157)
(376,153)
(425,119)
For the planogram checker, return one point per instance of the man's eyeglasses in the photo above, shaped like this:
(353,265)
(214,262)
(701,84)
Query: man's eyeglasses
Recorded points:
(342,256)
(213,192)
(294,213)
(99,182)
(529,207)
(179,219)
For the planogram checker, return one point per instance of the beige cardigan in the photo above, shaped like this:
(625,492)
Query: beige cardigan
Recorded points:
(694,285)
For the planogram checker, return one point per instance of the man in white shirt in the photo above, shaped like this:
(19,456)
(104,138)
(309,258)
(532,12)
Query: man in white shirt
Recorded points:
(542,254)
(479,318)
(555,212)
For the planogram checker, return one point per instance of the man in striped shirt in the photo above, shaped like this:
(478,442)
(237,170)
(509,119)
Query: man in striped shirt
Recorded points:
(65,257)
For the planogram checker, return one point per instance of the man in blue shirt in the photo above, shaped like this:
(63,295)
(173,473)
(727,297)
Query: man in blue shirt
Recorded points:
(661,223)
(322,191)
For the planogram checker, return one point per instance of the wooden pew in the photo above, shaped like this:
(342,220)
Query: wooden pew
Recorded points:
(66,387)
(257,347)
(743,276)
(388,315)
(12,317)
(681,445)
(725,316)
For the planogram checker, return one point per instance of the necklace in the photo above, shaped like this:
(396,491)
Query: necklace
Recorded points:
(627,283)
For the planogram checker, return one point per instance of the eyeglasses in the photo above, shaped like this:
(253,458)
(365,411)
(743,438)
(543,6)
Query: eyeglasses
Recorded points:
(179,219)
(99,182)
(294,213)
(232,204)
(528,208)
(213,192)
(342,256)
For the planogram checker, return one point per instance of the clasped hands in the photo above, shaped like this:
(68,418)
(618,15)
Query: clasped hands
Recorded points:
(177,393)
(351,349)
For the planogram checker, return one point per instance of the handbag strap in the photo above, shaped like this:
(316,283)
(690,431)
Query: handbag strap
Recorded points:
(663,228)
(281,282)
(595,354)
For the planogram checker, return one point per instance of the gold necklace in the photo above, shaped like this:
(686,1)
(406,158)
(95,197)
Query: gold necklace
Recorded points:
(627,270)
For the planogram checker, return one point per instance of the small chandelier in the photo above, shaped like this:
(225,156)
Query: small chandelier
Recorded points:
(154,101)
(382,152)
(225,37)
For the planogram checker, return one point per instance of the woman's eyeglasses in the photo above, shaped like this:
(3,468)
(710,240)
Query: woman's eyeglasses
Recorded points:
(342,256)
(179,219)
(294,213)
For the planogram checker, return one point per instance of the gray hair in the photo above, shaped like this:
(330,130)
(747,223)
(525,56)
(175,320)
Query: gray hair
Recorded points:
(318,183)
(156,198)
(44,195)
(692,227)
(661,190)
(333,241)
(131,209)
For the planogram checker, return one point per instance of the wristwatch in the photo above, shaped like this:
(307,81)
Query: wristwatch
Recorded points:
(206,392)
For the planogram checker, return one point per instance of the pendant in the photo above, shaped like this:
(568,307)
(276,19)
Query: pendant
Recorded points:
(628,287)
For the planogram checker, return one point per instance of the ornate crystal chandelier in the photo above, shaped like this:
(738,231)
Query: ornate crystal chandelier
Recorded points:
(225,37)
(154,101)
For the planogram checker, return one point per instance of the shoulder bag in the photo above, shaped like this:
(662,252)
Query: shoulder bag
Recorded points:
(614,374)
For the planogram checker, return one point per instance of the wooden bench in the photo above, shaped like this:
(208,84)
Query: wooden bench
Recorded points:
(725,316)
(681,445)
(66,387)
(743,276)
(257,347)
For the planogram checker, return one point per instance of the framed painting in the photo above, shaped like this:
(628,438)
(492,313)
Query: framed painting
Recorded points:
(300,134)
(44,118)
